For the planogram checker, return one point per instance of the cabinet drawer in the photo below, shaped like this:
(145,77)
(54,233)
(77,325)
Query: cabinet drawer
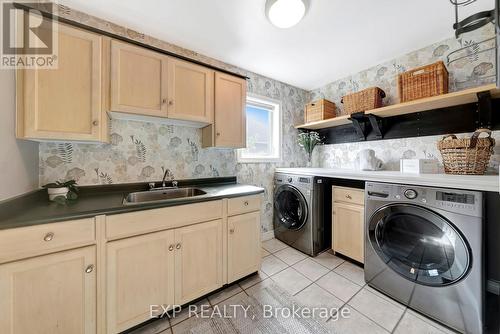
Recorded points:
(23,242)
(245,204)
(141,222)
(349,195)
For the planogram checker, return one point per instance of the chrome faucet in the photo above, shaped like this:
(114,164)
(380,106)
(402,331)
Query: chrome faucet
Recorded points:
(165,174)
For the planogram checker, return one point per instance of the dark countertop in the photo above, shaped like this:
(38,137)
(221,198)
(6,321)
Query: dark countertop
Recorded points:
(35,208)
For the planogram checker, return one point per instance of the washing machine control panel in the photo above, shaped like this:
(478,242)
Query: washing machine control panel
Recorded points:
(452,200)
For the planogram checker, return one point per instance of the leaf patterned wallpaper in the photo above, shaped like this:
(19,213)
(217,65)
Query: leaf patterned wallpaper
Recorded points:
(142,151)
(474,66)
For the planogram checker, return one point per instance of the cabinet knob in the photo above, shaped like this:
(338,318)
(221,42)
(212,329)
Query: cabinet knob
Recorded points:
(95,123)
(218,134)
(245,203)
(163,101)
(231,230)
(171,103)
(49,236)
(171,247)
(89,269)
(178,246)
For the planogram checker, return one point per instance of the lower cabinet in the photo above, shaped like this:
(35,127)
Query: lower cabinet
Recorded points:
(140,273)
(243,245)
(198,260)
(164,262)
(50,294)
(162,269)
(348,223)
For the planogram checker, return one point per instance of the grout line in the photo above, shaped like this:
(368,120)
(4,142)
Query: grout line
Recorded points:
(399,321)
(314,282)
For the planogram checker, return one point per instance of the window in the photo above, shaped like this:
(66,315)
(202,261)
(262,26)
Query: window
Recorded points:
(263,131)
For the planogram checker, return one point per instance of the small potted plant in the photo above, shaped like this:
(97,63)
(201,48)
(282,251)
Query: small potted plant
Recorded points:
(308,140)
(62,191)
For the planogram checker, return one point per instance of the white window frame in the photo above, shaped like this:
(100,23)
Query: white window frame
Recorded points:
(276,121)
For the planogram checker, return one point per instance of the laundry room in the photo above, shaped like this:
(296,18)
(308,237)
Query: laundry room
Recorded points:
(237,166)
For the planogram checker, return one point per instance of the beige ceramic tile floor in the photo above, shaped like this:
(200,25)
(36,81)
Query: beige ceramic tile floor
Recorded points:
(323,281)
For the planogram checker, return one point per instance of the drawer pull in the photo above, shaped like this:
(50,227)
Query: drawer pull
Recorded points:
(171,247)
(246,203)
(348,196)
(178,246)
(49,236)
(89,269)
(231,230)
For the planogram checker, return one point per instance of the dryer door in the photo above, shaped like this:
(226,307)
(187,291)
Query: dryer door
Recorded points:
(290,207)
(419,244)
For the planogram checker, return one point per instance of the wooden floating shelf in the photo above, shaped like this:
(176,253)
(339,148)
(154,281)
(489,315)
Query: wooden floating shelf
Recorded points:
(327,123)
(430,103)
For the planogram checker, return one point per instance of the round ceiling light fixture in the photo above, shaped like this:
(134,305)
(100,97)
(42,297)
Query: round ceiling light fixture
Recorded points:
(285,13)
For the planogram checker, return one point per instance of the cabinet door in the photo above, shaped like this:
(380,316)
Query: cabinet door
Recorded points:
(243,245)
(140,273)
(348,230)
(51,294)
(198,260)
(65,103)
(138,80)
(190,92)
(230,117)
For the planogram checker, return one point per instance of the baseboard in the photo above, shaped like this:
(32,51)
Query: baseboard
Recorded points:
(493,287)
(267,235)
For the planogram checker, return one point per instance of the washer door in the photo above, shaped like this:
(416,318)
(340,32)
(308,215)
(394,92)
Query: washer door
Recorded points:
(291,207)
(419,244)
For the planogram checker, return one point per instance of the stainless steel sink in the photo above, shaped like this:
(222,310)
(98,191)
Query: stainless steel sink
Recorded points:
(161,195)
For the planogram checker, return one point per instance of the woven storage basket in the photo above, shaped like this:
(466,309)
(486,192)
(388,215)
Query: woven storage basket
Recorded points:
(366,99)
(466,156)
(319,110)
(425,81)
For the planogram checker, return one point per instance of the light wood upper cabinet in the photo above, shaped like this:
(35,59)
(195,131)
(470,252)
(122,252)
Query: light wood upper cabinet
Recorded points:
(50,294)
(243,245)
(67,103)
(190,91)
(138,80)
(198,260)
(140,273)
(348,223)
(229,129)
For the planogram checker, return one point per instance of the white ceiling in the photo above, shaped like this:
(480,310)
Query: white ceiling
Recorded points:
(336,38)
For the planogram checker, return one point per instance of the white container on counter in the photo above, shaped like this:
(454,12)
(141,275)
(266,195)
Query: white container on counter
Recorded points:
(419,166)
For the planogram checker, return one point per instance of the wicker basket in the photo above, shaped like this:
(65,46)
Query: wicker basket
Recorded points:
(466,156)
(319,110)
(425,81)
(366,99)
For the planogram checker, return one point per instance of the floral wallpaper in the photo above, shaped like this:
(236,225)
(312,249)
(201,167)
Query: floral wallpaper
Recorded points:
(472,64)
(390,152)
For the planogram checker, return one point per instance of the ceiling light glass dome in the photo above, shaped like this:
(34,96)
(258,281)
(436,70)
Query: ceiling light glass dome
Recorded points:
(285,13)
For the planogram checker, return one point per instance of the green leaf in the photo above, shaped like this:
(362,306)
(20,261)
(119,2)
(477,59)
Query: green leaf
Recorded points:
(72,195)
(51,185)
(60,200)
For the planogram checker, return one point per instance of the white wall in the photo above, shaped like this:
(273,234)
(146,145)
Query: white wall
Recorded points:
(18,158)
